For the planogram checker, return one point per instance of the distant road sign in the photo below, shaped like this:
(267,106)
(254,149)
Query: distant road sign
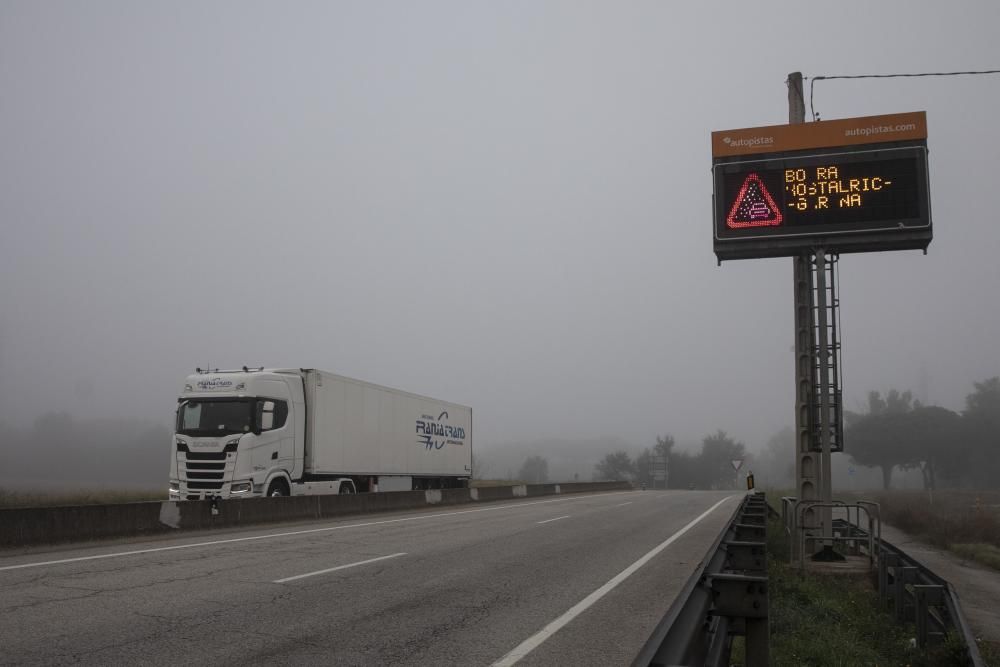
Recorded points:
(786,189)
(659,468)
(737,463)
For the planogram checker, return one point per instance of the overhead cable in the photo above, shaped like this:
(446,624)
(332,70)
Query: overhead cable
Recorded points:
(814,79)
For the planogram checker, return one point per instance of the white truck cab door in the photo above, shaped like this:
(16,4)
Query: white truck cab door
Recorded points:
(275,448)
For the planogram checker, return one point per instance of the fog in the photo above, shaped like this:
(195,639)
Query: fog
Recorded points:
(505,205)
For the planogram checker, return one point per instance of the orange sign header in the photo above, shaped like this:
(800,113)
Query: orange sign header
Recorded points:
(821,134)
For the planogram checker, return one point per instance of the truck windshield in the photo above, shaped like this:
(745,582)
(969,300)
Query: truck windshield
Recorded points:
(214,417)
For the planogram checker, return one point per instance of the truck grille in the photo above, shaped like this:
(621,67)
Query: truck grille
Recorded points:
(205,470)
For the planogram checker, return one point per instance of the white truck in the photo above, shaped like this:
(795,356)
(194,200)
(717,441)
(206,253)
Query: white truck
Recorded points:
(280,432)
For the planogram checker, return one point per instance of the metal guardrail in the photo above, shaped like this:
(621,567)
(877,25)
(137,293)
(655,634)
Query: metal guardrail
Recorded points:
(920,596)
(916,593)
(726,596)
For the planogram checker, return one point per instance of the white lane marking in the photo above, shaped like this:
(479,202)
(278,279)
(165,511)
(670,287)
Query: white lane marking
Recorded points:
(366,524)
(605,508)
(555,519)
(537,639)
(339,567)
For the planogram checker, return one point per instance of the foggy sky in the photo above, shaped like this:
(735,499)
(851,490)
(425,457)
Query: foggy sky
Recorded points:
(503,204)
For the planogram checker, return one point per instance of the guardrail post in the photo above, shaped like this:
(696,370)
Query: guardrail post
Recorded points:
(748,532)
(747,556)
(758,652)
(885,561)
(751,514)
(744,596)
(927,595)
(902,576)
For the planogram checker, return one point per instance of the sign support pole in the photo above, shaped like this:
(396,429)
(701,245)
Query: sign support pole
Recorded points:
(806,466)
(814,478)
(823,368)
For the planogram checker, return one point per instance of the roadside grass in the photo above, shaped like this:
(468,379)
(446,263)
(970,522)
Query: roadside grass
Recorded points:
(964,522)
(987,554)
(989,652)
(12,499)
(826,619)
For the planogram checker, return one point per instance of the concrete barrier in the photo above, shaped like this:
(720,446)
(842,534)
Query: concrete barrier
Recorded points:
(21,527)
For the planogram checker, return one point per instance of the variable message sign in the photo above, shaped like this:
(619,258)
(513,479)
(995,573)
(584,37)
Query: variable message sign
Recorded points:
(787,189)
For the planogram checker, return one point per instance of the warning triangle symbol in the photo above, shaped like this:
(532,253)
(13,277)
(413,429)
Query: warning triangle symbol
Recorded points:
(754,206)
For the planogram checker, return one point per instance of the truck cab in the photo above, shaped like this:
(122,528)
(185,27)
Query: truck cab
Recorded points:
(237,434)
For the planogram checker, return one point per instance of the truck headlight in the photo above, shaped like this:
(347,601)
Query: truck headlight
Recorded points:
(175,487)
(239,487)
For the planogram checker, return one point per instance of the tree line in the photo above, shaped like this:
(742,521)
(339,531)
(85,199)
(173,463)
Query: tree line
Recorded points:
(949,448)
(954,449)
(710,468)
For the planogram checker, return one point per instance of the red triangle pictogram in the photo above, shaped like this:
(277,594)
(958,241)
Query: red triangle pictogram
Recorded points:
(754,206)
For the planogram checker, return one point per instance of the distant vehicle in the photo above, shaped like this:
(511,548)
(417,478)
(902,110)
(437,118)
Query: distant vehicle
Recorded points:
(280,432)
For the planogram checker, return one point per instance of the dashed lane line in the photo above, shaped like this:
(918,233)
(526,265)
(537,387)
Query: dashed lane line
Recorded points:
(339,567)
(555,519)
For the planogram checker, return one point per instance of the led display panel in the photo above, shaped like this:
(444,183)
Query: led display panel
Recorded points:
(857,199)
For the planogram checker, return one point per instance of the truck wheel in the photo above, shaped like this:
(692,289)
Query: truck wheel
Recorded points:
(277,488)
(346,488)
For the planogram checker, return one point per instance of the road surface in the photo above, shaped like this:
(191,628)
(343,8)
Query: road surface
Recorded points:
(575,579)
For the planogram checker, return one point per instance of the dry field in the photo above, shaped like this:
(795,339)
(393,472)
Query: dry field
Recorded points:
(9,498)
(966,522)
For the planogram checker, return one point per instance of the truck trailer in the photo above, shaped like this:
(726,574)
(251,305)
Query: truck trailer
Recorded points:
(279,432)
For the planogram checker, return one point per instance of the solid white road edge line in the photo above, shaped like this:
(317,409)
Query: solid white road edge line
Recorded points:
(537,639)
(366,524)
(339,567)
(555,519)
(624,504)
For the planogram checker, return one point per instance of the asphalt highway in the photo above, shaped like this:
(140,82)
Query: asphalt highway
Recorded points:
(565,580)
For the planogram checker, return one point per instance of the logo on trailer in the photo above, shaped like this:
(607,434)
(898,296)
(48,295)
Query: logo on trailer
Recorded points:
(436,433)
(754,206)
